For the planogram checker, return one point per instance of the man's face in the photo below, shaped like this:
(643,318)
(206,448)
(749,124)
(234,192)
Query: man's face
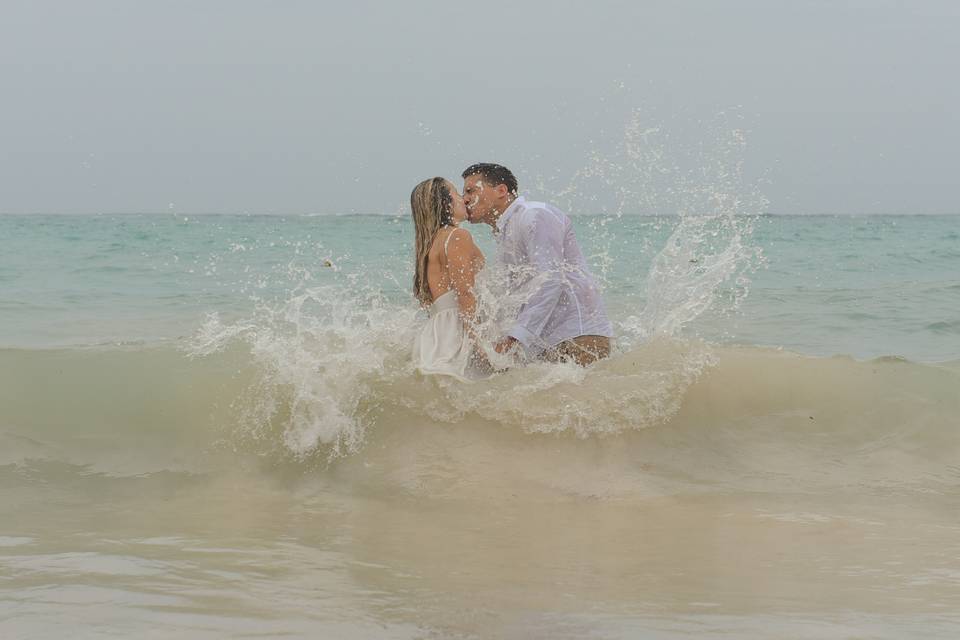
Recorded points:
(481,199)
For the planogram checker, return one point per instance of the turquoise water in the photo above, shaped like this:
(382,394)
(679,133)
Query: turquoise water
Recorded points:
(854,285)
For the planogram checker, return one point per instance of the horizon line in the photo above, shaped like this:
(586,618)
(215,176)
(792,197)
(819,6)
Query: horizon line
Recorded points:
(397,215)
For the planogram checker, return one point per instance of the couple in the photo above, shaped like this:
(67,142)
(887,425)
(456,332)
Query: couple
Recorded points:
(562,318)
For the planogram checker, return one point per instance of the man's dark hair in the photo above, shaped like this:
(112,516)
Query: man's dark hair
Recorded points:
(493,175)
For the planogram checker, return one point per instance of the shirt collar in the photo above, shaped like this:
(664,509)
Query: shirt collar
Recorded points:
(515,206)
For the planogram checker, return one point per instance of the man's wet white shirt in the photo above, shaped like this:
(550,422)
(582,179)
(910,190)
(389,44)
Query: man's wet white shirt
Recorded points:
(536,245)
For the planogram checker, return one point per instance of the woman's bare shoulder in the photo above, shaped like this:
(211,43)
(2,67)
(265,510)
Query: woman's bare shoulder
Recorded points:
(459,240)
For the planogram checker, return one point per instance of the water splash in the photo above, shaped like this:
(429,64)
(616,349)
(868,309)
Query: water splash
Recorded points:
(320,353)
(332,356)
(699,191)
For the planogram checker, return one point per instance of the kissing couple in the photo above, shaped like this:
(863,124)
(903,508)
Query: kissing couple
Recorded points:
(562,317)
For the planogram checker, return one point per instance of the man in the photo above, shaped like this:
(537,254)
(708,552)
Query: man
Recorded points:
(563,317)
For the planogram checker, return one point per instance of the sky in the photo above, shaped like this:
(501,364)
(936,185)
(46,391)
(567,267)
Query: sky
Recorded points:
(238,106)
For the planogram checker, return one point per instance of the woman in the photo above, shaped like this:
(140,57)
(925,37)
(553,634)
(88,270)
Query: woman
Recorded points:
(447,262)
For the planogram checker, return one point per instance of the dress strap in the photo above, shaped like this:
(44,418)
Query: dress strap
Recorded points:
(446,242)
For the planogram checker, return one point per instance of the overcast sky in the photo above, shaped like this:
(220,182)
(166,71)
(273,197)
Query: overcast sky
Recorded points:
(310,106)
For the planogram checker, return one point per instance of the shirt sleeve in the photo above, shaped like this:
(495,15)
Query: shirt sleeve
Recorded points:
(542,236)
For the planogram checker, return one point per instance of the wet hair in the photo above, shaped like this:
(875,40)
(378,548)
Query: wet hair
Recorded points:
(493,175)
(431,205)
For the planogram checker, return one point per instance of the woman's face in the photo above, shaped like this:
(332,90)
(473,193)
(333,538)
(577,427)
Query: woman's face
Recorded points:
(459,211)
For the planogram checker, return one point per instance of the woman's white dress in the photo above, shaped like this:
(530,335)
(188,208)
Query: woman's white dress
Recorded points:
(443,346)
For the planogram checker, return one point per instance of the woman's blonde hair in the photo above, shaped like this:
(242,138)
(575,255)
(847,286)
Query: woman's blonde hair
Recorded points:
(432,207)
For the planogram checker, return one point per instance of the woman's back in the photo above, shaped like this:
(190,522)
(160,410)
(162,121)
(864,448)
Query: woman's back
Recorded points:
(443,345)
(453,262)
(438,271)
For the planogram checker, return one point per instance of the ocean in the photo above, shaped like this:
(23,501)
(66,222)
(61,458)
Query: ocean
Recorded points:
(209,427)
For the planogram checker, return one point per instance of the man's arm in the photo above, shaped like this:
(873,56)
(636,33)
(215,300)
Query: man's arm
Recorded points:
(542,235)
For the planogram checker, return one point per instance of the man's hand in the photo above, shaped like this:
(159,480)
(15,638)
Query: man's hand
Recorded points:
(505,344)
